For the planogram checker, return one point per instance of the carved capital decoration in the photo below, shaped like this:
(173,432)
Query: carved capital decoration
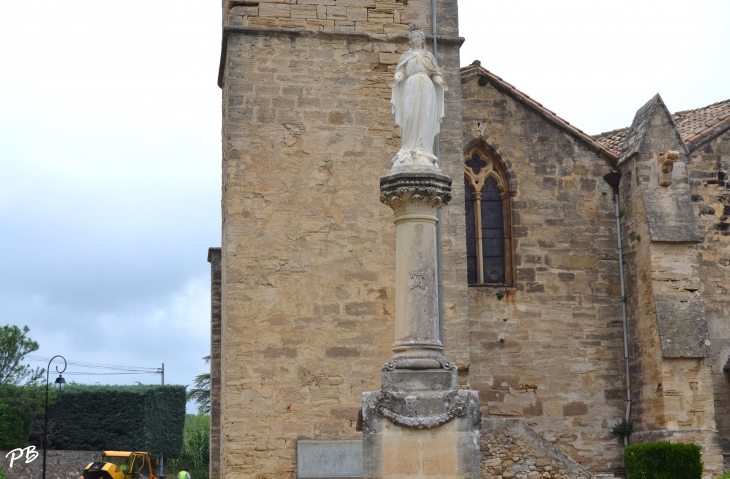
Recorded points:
(666,163)
(415,192)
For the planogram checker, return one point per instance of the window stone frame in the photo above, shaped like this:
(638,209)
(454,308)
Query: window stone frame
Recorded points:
(497,170)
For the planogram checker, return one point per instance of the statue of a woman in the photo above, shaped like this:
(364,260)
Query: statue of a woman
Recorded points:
(418,103)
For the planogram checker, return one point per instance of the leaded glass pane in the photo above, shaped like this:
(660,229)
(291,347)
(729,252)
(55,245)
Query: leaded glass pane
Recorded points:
(471,241)
(492,233)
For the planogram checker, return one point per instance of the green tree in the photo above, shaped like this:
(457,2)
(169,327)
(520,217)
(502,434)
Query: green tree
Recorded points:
(196,447)
(14,346)
(22,399)
(200,392)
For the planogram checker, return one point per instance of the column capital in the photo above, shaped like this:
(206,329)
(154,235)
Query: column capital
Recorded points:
(415,192)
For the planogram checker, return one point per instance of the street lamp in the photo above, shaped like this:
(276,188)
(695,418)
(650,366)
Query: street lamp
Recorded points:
(58,383)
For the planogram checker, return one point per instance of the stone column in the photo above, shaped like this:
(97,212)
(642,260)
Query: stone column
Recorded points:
(415,198)
(419,424)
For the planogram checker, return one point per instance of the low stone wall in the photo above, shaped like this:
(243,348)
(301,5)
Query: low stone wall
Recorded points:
(513,450)
(59,465)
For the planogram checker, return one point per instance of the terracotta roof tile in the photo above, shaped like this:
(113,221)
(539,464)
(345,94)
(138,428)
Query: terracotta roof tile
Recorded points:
(693,126)
(692,123)
(612,140)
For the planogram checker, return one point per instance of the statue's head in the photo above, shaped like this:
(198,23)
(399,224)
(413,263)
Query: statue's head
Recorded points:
(416,37)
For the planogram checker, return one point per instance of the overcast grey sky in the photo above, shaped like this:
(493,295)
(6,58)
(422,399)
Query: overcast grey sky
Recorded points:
(110,146)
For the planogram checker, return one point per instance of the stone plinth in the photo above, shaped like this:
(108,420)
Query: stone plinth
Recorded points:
(425,433)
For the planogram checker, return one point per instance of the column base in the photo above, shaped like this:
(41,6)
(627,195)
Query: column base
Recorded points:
(421,434)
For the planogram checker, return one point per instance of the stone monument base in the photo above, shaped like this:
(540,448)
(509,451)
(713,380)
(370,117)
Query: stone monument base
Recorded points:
(410,431)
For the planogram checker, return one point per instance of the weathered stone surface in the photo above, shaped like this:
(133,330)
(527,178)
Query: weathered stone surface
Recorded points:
(416,196)
(307,249)
(709,169)
(418,380)
(639,139)
(682,327)
(671,383)
(560,364)
(511,448)
(320,459)
(308,277)
(214,258)
(669,211)
(450,450)
(366,15)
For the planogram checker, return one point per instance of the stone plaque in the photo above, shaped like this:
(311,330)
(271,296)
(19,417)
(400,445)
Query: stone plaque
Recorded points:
(334,459)
(421,453)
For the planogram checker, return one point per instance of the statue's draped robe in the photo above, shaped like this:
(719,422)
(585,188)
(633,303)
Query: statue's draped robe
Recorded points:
(418,104)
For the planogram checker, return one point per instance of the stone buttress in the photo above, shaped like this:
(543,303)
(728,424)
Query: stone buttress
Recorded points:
(668,333)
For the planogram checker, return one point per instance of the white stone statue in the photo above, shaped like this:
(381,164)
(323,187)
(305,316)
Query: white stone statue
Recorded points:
(418,104)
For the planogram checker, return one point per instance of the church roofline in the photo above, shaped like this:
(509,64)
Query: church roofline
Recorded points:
(501,85)
(696,127)
(715,127)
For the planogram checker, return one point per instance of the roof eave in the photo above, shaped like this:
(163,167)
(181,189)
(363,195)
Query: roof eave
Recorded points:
(548,115)
(709,134)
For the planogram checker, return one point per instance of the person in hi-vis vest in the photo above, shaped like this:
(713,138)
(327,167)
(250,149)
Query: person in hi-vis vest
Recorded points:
(184,474)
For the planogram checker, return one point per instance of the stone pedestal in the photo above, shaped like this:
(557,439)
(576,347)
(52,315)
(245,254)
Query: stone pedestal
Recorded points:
(419,424)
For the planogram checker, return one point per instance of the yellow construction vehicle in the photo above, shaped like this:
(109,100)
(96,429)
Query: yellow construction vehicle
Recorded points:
(120,465)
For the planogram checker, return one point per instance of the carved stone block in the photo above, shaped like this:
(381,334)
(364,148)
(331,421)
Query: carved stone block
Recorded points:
(421,434)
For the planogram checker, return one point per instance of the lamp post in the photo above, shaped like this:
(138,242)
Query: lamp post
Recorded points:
(59,383)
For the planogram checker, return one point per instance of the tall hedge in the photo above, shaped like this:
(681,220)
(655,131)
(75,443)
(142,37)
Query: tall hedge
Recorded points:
(123,418)
(14,427)
(663,460)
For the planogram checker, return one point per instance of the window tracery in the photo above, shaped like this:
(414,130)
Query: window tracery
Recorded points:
(488,220)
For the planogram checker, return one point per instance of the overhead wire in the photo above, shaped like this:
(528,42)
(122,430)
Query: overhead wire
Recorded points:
(113,369)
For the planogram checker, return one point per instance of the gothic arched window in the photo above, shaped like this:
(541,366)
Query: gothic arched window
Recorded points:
(488,220)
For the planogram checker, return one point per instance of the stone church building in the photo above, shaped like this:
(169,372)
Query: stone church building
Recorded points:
(568,259)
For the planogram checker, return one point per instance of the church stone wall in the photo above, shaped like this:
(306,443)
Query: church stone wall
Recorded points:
(672,388)
(214,258)
(308,250)
(368,16)
(709,179)
(551,351)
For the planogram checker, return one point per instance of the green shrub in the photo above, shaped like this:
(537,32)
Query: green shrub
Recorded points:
(15,426)
(2,472)
(19,407)
(123,418)
(663,460)
(196,448)
(726,475)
